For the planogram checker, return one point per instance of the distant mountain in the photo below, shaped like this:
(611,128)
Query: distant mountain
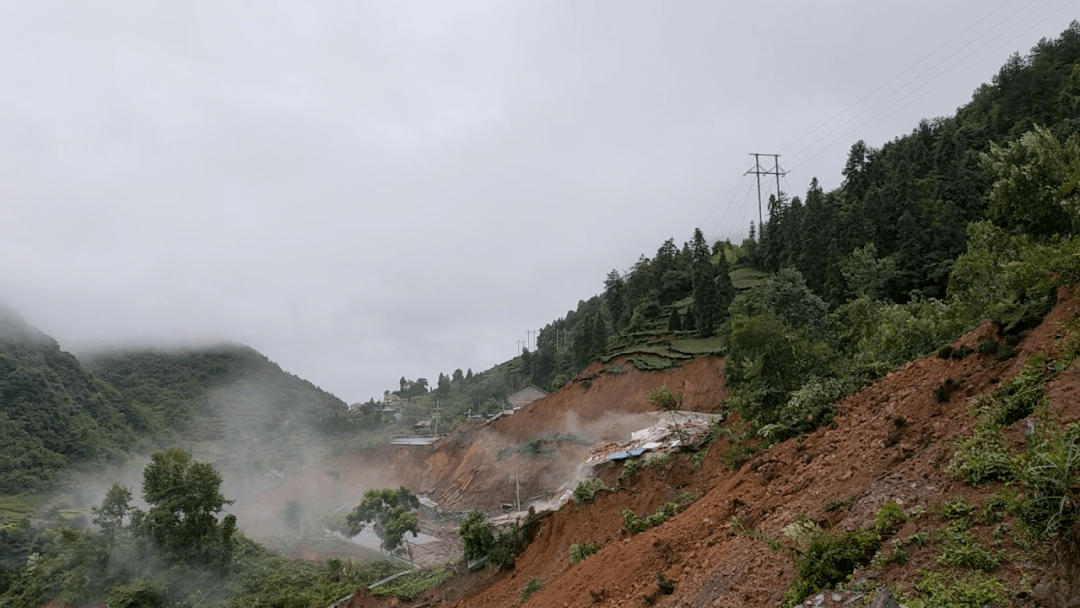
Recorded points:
(228,403)
(53,413)
(14,327)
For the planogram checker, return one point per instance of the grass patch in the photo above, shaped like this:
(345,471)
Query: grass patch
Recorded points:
(969,590)
(633,524)
(962,551)
(746,278)
(653,363)
(706,346)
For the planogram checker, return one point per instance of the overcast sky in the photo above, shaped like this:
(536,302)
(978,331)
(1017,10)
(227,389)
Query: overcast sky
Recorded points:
(368,190)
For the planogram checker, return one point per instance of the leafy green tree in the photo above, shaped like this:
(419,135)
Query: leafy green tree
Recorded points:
(184,501)
(787,296)
(866,274)
(391,513)
(477,534)
(114,508)
(1036,183)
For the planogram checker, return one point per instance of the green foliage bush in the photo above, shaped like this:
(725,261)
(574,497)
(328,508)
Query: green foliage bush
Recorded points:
(960,550)
(580,552)
(957,508)
(586,490)
(663,398)
(889,518)
(823,559)
(983,457)
(632,524)
(409,586)
(477,534)
(529,588)
(1050,472)
(966,590)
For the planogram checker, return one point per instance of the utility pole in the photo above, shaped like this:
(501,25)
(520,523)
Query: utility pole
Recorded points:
(759,172)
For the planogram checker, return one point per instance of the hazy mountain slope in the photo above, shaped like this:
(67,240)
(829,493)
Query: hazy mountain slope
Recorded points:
(229,402)
(53,413)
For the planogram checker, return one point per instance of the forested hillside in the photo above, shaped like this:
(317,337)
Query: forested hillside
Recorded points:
(960,219)
(53,414)
(228,403)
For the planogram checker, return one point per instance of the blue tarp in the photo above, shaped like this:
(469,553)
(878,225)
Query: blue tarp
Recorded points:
(626,454)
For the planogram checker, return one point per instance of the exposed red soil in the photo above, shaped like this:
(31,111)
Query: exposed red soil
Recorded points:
(463,471)
(890,442)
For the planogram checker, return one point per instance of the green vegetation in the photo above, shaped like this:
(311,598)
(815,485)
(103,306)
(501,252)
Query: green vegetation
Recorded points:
(889,518)
(54,415)
(390,512)
(502,547)
(580,552)
(198,398)
(531,587)
(960,550)
(968,590)
(632,524)
(409,586)
(585,491)
(822,558)
(178,552)
(477,535)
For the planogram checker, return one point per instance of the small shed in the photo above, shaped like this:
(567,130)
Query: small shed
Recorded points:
(526,395)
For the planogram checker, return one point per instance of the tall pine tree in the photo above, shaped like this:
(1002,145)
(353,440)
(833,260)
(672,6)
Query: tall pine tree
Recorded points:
(706,295)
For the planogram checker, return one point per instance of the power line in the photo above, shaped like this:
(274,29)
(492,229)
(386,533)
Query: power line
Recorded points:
(885,112)
(924,73)
(894,78)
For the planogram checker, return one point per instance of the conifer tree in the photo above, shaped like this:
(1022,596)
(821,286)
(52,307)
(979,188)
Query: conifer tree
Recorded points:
(706,295)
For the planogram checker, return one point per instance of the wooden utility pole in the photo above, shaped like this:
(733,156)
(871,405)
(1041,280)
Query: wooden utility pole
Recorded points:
(757,170)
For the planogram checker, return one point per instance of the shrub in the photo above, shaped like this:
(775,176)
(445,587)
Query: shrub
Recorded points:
(476,532)
(962,551)
(663,398)
(989,346)
(530,588)
(826,559)
(957,508)
(667,586)
(945,390)
(580,552)
(1051,473)
(634,524)
(970,590)
(1017,398)
(586,490)
(889,518)
(982,457)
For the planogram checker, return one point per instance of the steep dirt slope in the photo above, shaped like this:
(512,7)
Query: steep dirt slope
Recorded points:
(867,458)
